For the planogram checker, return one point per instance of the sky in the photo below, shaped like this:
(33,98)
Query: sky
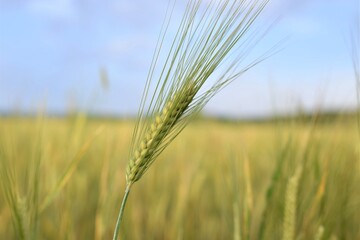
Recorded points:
(54,52)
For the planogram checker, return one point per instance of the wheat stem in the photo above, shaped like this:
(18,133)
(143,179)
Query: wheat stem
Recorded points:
(121,212)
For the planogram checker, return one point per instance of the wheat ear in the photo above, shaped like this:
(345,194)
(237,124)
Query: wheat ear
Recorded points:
(320,233)
(291,205)
(157,132)
(208,34)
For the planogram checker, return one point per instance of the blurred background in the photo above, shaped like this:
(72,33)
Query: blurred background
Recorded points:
(64,56)
(63,177)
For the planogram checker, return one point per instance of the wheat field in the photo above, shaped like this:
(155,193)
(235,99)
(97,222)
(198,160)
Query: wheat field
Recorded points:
(61,178)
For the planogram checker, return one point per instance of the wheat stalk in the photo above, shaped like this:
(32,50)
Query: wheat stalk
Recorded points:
(212,39)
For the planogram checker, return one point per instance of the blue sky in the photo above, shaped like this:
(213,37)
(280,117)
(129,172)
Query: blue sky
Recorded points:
(52,53)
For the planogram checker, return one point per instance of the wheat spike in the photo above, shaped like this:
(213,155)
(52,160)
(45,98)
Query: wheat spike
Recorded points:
(204,41)
(290,205)
(143,155)
(320,233)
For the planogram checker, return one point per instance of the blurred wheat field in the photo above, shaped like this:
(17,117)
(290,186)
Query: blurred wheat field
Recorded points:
(63,179)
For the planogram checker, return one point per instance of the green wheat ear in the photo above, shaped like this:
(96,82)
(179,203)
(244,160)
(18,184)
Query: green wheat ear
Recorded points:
(291,205)
(156,132)
(212,39)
